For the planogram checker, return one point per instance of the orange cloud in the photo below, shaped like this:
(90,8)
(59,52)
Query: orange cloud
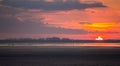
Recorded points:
(114,4)
(101,26)
(103,15)
(65,19)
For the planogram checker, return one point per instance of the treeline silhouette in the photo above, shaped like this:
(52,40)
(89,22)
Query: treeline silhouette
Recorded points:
(55,40)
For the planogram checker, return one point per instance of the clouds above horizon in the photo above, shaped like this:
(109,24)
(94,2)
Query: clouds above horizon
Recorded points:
(47,5)
(28,15)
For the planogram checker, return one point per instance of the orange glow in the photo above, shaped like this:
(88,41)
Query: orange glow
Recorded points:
(99,38)
(100,26)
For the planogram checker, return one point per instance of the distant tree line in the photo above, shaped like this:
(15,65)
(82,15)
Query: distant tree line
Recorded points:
(40,40)
(55,40)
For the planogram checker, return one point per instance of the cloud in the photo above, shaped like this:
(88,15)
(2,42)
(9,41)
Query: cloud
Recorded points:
(103,15)
(15,20)
(85,23)
(10,24)
(50,5)
(8,10)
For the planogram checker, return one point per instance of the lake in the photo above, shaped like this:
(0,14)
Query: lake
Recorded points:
(65,54)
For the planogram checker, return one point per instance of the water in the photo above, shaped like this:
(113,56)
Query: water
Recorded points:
(68,54)
(64,44)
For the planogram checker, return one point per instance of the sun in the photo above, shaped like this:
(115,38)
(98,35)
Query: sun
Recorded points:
(99,38)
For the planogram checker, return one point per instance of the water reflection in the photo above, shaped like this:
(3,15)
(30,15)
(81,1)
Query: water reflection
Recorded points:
(66,44)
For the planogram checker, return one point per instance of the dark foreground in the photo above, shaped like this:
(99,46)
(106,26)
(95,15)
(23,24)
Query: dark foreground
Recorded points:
(59,56)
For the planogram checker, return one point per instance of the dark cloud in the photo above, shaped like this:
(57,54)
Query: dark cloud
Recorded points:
(51,6)
(85,23)
(8,9)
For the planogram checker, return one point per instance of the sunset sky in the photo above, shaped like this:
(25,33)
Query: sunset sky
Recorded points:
(74,19)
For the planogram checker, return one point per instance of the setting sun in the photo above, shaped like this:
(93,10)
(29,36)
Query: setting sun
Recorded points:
(99,38)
